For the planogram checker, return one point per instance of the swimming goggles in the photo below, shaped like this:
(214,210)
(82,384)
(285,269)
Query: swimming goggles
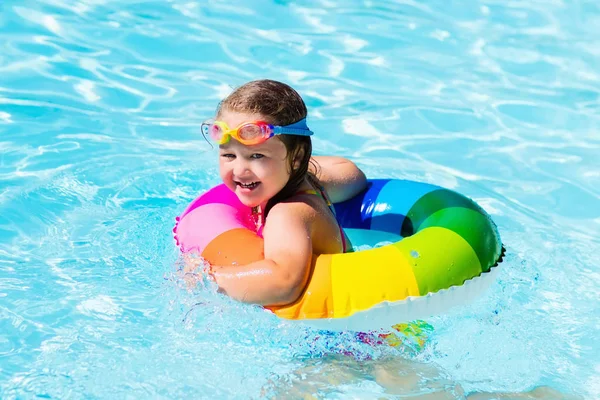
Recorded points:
(251,133)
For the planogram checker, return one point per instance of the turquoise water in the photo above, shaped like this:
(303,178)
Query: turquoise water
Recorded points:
(100,106)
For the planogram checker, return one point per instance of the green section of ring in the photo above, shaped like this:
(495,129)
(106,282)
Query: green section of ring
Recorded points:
(488,247)
(431,203)
(474,227)
(440,258)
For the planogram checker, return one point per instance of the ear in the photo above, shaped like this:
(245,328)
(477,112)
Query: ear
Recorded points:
(298,158)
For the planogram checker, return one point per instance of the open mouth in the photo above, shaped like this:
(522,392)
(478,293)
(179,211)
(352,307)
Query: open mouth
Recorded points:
(250,185)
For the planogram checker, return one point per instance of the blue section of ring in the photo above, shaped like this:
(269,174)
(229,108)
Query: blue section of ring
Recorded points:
(356,212)
(394,202)
(383,205)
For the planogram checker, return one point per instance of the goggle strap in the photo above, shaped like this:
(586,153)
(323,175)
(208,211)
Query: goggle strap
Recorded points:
(297,128)
(291,131)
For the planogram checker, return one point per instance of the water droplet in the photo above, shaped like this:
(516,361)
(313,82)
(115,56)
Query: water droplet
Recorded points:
(414,254)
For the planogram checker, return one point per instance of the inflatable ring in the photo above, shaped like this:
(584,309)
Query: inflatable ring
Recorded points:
(440,249)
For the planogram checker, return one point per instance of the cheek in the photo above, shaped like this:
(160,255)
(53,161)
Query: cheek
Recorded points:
(222,168)
(283,172)
(225,171)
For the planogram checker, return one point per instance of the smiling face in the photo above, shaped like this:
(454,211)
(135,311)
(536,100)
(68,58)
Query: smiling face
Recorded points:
(254,173)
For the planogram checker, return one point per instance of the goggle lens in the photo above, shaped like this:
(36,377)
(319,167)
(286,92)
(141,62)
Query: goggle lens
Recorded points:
(215,132)
(251,133)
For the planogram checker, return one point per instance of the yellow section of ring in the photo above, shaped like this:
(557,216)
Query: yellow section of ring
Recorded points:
(363,279)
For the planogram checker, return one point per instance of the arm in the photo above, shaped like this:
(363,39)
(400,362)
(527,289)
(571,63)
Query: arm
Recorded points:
(340,177)
(280,278)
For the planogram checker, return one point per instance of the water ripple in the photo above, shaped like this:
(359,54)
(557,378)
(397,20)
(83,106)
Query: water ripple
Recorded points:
(100,107)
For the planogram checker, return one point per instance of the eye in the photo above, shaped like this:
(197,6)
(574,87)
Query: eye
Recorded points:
(228,156)
(257,156)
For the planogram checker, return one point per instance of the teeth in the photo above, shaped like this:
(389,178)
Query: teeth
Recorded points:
(248,185)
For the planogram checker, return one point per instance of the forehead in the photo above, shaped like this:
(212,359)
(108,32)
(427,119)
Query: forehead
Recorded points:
(273,146)
(234,119)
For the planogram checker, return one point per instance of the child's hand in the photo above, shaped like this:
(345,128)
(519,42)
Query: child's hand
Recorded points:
(195,270)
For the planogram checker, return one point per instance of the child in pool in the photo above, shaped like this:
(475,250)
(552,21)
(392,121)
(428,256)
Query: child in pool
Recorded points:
(272,170)
(280,179)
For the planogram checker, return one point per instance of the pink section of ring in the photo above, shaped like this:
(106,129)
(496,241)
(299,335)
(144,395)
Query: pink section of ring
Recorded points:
(210,215)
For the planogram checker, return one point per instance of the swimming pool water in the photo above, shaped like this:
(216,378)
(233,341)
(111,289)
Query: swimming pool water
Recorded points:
(100,106)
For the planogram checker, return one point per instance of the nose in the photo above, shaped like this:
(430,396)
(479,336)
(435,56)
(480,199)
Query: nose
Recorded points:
(241,167)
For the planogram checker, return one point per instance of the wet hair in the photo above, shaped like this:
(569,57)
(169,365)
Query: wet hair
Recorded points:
(280,105)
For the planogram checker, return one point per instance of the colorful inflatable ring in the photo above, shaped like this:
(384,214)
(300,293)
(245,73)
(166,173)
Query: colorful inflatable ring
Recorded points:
(442,250)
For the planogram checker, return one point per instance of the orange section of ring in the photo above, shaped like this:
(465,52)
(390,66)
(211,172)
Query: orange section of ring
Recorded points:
(235,247)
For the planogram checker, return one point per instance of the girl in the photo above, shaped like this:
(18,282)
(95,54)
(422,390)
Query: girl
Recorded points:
(265,159)
(291,193)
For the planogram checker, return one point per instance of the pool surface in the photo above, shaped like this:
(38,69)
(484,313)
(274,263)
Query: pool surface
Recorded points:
(100,148)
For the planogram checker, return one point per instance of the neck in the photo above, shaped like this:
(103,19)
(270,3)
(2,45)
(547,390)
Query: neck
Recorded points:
(262,206)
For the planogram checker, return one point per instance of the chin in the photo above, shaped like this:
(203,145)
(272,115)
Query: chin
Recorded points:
(247,200)
(248,203)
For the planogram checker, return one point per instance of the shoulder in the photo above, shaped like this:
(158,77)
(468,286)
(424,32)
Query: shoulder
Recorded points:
(295,209)
(288,230)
